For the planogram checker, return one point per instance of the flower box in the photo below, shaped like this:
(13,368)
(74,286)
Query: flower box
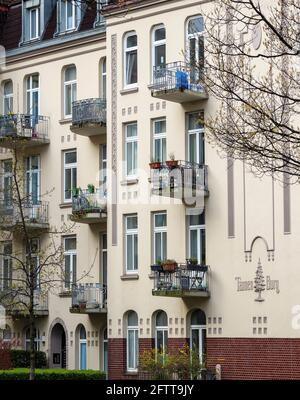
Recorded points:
(155,165)
(156,268)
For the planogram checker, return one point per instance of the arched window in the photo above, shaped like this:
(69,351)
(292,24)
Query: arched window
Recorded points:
(103,78)
(70,89)
(161,333)
(82,348)
(130,59)
(198,333)
(8,98)
(158,49)
(132,341)
(195,46)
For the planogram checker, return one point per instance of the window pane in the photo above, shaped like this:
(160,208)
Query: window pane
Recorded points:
(195,340)
(161,319)
(8,88)
(197,219)
(164,246)
(67,271)
(132,41)
(160,34)
(194,121)
(35,81)
(70,244)
(71,157)
(74,274)
(132,318)
(132,222)
(131,349)
(33,23)
(193,147)
(131,130)
(198,318)
(164,150)
(74,178)
(196,25)
(194,244)
(160,55)
(157,247)
(131,67)
(160,220)
(160,126)
(68,100)
(158,150)
(68,184)
(70,74)
(129,252)
(135,252)
(130,158)
(203,253)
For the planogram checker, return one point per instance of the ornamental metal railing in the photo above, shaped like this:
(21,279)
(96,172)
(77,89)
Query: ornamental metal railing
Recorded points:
(193,278)
(27,126)
(177,76)
(33,212)
(89,295)
(17,300)
(180,175)
(85,201)
(89,111)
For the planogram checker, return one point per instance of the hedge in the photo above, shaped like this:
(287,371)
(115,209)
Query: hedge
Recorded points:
(21,359)
(19,374)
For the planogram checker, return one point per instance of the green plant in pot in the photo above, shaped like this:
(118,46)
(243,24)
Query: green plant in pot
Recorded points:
(91,188)
(169,265)
(155,164)
(157,266)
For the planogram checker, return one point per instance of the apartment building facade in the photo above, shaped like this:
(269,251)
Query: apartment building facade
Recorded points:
(101,93)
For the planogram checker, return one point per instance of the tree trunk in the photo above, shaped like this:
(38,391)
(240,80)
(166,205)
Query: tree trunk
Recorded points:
(32,337)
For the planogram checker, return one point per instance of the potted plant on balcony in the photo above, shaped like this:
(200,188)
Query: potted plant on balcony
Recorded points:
(157,267)
(155,164)
(192,264)
(75,192)
(169,266)
(172,163)
(91,188)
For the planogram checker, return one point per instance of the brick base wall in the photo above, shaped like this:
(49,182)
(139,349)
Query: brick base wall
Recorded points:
(5,359)
(257,358)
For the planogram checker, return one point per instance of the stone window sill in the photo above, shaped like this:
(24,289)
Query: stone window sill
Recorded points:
(130,277)
(127,182)
(65,121)
(129,90)
(65,205)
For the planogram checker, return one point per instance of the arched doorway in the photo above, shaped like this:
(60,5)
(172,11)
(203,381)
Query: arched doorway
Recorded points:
(58,357)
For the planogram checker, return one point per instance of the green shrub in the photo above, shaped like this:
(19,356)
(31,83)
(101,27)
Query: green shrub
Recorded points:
(21,359)
(51,374)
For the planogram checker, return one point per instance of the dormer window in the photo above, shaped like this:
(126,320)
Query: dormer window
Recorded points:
(69,15)
(34,22)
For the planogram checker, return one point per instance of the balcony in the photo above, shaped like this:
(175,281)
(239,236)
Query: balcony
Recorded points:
(36,216)
(16,303)
(23,131)
(89,117)
(180,180)
(178,82)
(184,281)
(89,298)
(89,206)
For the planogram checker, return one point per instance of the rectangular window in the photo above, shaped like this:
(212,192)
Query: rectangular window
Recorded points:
(32,97)
(33,173)
(7,183)
(161,342)
(70,256)
(6,266)
(132,348)
(159,140)
(197,238)
(103,75)
(130,61)
(159,237)
(8,98)
(131,243)
(131,149)
(103,246)
(103,170)
(34,252)
(196,145)
(34,22)
(70,174)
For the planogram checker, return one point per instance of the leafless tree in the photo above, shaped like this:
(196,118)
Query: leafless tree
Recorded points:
(252,69)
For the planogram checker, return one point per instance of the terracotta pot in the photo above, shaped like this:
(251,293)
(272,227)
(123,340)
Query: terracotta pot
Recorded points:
(155,165)
(169,267)
(172,163)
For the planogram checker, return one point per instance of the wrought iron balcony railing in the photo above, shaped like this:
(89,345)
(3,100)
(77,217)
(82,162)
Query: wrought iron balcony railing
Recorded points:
(16,301)
(36,214)
(24,129)
(184,281)
(86,202)
(89,111)
(89,297)
(180,177)
(178,82)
